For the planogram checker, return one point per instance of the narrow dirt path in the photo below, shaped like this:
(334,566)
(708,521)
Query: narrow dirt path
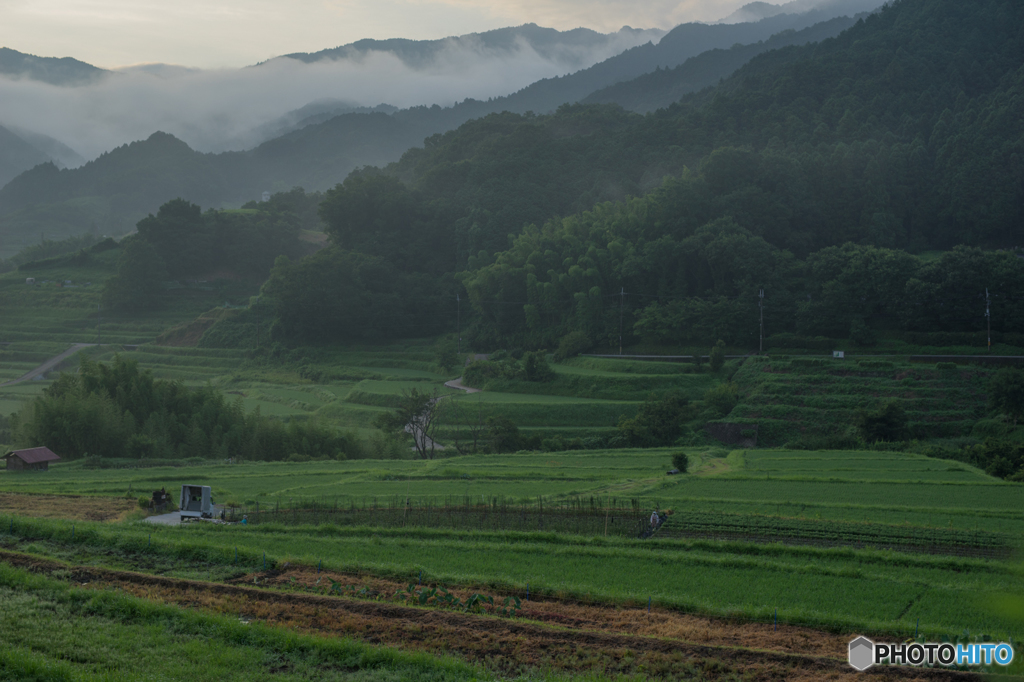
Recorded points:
(560,641)
(49,364)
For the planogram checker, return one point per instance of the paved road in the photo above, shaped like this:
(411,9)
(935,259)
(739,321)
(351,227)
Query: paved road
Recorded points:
(172,519)
(49,364)
(457,383)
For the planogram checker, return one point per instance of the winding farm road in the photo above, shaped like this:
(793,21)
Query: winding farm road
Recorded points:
(49,364)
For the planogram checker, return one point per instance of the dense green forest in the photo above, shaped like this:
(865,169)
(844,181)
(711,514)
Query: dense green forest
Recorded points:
(181,242)
(814,174)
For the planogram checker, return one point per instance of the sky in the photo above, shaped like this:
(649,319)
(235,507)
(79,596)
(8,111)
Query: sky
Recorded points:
(216,34)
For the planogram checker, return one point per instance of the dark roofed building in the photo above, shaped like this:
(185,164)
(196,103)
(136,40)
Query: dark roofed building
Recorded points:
(32,459)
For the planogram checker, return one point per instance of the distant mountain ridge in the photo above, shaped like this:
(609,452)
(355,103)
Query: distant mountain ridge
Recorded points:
(560,46)
(52,70)
(20,150)
(662,87)
(756,11)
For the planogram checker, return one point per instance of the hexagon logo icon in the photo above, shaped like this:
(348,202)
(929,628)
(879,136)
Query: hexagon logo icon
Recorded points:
(862,653)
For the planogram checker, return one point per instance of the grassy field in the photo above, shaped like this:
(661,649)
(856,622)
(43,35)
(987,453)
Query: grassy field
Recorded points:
(847,540)
(827,586)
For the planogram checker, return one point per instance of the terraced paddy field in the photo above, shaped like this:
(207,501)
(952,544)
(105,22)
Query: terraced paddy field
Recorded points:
(833,542)
(790,398)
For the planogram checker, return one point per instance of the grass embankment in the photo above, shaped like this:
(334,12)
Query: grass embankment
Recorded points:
(54,631)
(818,398)
(871,591)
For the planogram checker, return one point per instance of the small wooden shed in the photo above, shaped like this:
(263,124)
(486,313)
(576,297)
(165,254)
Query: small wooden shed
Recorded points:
(32,459)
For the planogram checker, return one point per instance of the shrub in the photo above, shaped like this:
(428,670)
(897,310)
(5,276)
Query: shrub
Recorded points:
(536,368)
(657,422)
(504,435)
(571,345)
(888,423)
(681,461)
(722,398)
(1006,392)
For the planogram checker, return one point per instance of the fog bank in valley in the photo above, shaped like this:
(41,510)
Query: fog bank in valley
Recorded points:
(219,110)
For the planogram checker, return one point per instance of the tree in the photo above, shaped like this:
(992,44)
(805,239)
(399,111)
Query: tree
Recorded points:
(887,424)
(417,415)
(1006,392)
(536,367)
(722,398)
(504,434)
(571,345)
(140,272)
(717,357)
(657,422)
(446,354)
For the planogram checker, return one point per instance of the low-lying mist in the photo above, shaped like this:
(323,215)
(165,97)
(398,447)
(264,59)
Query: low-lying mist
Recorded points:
(220,110)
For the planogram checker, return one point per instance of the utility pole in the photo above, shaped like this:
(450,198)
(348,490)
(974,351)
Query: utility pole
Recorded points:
(988,319)
(760,308)
(622,299)
(458,313)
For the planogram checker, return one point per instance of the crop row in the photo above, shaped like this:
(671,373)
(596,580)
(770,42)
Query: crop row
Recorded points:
(769,528)
(834,588)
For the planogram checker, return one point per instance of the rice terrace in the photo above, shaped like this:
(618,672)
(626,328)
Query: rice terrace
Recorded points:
(691,352)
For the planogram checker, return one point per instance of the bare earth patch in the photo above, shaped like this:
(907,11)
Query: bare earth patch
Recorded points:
(71,507)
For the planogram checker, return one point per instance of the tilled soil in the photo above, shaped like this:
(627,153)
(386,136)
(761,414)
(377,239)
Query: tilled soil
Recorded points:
(556,635)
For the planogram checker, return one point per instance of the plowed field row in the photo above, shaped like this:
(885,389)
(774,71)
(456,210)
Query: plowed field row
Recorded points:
(551,635)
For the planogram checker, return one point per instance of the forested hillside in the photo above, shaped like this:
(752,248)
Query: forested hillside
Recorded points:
(887,137)
(123,185)
(52,70)
(663,87)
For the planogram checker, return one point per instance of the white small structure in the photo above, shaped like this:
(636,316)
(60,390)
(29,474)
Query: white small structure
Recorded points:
(266,196)
(196,502)
(838,354)
(30,280)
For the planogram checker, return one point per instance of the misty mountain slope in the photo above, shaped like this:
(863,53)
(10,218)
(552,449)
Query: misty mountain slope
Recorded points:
(60,153)
(890,134)
(17,155)
(135,177)
(52,70)
(546,95)
(21,150)
(319,155)
(662,87)
(567,47)
(755,11)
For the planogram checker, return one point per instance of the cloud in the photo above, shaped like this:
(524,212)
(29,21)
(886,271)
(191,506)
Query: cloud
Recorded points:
(600,15)
(215,110)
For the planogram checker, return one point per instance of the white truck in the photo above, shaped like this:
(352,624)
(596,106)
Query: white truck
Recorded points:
(196,502)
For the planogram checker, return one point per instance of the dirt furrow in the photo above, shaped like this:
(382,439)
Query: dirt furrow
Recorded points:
(585,640)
